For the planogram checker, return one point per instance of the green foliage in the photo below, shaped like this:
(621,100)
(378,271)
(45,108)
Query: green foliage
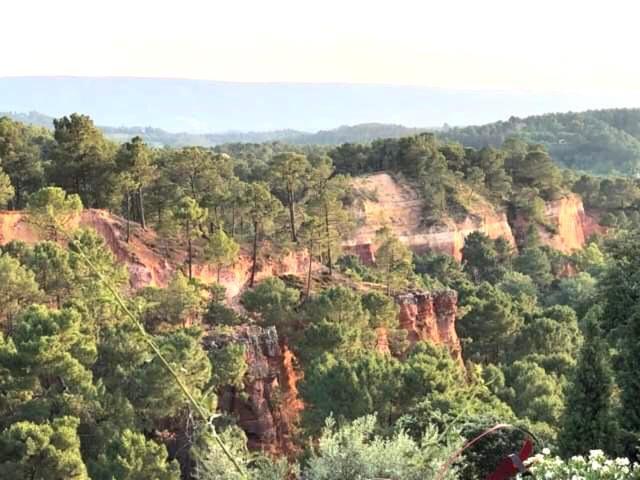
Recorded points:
(40,451)
(533,394)
(337,323)
(52,209)
(82,160)
(289,171)
(151,394)
(19,289)
(588,420)
(221,250)
(552,335)
(52,268)
(7,192)
(443,268)
(130,456)
(628,377)
(21,160)
(47,363)
(534,263)
(228,366)
(480,259)
(355,452)
(383,311)
(219,314)
(490,326)
(393,260)
(181,303)
(602,141)
(347,389)
(578,292)
(189,215)
(273,301)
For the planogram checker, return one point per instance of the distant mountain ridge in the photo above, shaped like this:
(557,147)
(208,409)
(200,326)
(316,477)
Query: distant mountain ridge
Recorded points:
(600,141)
(203,106)
(362,133)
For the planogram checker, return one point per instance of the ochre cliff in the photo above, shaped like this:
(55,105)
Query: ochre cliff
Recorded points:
(381,201)
(571,225)
(151,261)
(268,407)
(431,317)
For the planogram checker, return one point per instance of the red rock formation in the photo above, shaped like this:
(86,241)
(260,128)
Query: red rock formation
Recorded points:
(572,225)
(431,317)
(149,262)
(382,341)
(268,408)
(387,202)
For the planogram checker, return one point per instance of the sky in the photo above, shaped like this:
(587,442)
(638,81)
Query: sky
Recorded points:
(521,45)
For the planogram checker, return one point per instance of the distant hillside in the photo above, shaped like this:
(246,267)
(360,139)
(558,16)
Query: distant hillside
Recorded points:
(199,106)
(362,133)
(601,141)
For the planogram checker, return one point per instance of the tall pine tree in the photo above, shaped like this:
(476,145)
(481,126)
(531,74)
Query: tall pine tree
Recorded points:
(588,422)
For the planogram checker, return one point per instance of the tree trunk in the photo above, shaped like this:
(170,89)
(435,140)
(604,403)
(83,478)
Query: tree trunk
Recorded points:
(128,213)
(17,203)
(292,217)
(254,254)
(190,252)
(143,222)
(328,233)
(218,275)
(309,271)
(233,221)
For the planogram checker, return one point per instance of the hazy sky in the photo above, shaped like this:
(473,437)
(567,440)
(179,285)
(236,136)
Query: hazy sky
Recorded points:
(541,45)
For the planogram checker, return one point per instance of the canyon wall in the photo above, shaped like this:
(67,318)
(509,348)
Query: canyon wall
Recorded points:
(431,317)
(268,406)
(570,225)
(381,201)
(150,260)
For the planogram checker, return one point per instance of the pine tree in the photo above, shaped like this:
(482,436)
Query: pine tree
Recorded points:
(39,451)
(190,215)
(588,422)
(221,250)
(393,259)
(6,189)
(629,379)
(50,209)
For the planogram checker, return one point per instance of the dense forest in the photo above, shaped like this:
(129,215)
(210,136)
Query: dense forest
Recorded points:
(600,141)
(99,380)
(603,142)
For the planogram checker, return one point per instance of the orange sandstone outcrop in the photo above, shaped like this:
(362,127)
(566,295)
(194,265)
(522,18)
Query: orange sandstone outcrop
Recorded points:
(431,317)
(383,201)
(151,261)
(268,407)
(572,225)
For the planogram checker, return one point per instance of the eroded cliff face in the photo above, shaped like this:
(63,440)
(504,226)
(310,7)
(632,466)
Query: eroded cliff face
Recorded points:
(572,226)
(431,317)
(148,258)
(384,201)
(268,407)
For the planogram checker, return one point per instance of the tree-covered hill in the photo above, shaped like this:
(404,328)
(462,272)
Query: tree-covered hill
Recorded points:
(600,141)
